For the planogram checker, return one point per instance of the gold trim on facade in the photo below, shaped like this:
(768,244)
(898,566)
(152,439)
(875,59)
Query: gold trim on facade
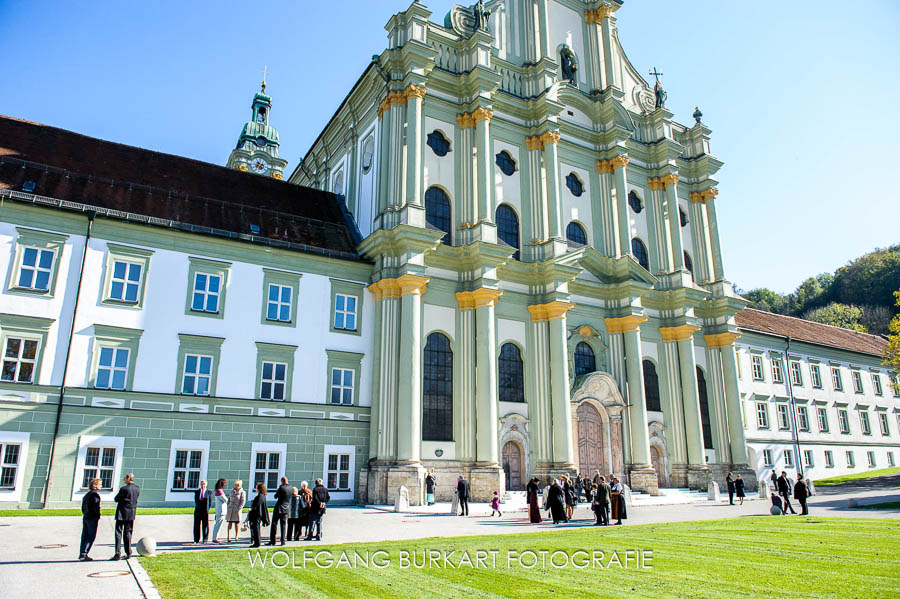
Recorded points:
(469,300)
(624,324)
(720,339)
(700,197)
(545,312)
(482,114)
(414,91)
(385,289)
(608,166)
(597,15)
(679,333)
(660,183)
(241,167)
(412,284)
(465,120)
(539,142)
(549,138)
(276,175)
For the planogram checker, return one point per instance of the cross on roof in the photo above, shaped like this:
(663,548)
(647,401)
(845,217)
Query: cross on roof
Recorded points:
(656,74)
(265,72)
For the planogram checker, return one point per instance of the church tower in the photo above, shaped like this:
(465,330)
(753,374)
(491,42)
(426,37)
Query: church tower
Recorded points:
(257,147)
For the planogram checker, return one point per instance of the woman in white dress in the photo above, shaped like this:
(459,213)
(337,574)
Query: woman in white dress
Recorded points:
(221,502)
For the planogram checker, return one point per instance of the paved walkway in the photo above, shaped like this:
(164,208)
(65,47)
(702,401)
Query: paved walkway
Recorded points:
(29,571)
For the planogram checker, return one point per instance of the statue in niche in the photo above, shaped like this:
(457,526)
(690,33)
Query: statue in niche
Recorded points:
(568,64)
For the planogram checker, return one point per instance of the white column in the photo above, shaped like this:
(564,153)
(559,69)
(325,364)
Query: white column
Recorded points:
(414,100)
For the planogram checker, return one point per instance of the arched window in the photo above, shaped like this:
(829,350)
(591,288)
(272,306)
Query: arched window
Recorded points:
(574,184)
(437,211)
(368,155)
(640,253)
(508,227)
(511,374)
(575,233)
(337,185)
(635,202)
(683,216)
(704,409)
(651,387)
(584,359)
(437,389)
(506,163)
(689,264)
(439,144)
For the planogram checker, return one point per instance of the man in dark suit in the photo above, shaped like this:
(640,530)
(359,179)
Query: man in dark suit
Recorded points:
(202,500)
(601,499)
(126,511)
(90,510)
(784,489)
(320,499)
(462,491)
(281,510)
(801,492)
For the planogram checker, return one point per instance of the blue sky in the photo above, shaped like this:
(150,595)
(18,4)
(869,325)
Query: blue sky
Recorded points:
(802,97)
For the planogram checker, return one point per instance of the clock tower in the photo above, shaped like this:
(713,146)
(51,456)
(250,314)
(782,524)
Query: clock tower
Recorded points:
(257,147)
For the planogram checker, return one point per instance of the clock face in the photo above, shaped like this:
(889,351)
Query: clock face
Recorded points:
(259,165)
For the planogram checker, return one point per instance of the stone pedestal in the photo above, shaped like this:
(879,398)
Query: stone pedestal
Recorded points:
(383,481)
(643,479)
(401,501)
(691,476)
(748,475)
(484,480)
(712,492)
(764,490)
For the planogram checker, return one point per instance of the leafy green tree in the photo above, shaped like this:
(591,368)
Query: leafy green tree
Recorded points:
(870,279)
(892,351)
(876,319)
(838,315)
(766,299)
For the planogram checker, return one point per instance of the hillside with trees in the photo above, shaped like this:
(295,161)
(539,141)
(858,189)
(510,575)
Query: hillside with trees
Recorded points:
(857,296)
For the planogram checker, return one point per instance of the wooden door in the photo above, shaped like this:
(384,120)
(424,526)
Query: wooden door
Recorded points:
(590,441)
(512,465)
(659,465)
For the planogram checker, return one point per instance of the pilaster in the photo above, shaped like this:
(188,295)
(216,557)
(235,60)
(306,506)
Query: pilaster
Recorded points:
(723,343)
(414,95)
(682,337)
(709,266)
(409,389)
(550,139)
(614,206)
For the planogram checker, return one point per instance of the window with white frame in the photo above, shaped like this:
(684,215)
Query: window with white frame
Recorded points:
(876,383)
(836,380)
(345,312)
(896,386)
(36,269)
(10,455)
(802,418)
(342,386)
(890,456)
(885,424)
(99,462)
(19,359)
(777,372)
(857,382)
(851,459)
(197,374)
(871,456)
(808,458)
(757,367)
(829,459)
(816,376)
(822,414)
(767,457)
(273,380)
(844,421)
(205,297)
(784,417)
(338,472)
(796,374)
(125,282)
(112,368)
(762,415)
(278,307)
(864,422)
(789,458)
(267,469)
(187,471)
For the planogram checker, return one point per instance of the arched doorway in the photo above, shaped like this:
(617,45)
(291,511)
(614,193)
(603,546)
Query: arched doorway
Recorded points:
(590,440)
(656,460)
(512,465)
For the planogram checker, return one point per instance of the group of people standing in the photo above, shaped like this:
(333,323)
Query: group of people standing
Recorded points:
(562,495)
(294,510)
(782,500)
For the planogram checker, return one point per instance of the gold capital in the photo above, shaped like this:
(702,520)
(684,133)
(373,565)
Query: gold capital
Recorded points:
(465,120)
(479,298)
(412,284)
(534,143)
(414,91)
(394,98)
(276,175)
(720,339)
(700,197)
(679,333)
(620,161)
(549,137)
(604,166)
(624,324)
(545,312)
(482,114)
(660,183)
(598,14)
(385,289)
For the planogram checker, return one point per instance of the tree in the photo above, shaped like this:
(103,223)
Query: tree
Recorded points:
(892,351)
(766,299)
(870,279)
(838,315)
(876,319)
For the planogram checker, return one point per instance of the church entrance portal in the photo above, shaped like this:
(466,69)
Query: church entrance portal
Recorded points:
(659,465)
(512,465)
(590,441)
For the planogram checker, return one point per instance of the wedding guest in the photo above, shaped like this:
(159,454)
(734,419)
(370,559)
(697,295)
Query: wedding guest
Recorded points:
(220,500)
(90,518)
(236,500)
(258,514)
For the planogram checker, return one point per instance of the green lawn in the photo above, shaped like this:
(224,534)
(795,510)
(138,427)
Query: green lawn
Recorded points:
(761,556)
(142,511)
(886,505)
(856,476)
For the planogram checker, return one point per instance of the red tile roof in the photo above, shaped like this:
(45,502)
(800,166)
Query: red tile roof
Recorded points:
(811,332)
(63,165)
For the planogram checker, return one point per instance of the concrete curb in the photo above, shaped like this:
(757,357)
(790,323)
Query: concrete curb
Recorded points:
(143,579)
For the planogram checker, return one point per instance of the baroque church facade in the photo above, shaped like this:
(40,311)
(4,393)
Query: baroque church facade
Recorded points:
(500,259)
(536,217)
